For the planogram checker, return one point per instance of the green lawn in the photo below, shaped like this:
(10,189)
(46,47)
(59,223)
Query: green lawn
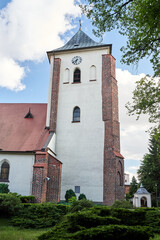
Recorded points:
(8,232)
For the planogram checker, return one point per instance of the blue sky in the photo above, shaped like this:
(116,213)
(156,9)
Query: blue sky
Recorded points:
(30,28)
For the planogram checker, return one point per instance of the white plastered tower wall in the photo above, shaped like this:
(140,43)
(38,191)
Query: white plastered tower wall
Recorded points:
(80,145)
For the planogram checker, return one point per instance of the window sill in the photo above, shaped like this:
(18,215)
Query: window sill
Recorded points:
(76,82)
(75,121)
(3,180)
(66,83)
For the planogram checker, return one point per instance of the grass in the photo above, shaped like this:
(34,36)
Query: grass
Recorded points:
(8,232)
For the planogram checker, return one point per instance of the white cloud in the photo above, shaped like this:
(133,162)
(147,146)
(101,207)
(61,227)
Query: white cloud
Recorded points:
(11,74)
(27,29)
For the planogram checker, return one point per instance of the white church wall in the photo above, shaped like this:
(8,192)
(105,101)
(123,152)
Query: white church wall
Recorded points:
(80,145)
(49,91)
(20,173)
(52,145)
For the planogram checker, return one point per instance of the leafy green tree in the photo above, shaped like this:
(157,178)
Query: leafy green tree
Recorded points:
(133,186)
(149,171)
(139,20)
(146,99)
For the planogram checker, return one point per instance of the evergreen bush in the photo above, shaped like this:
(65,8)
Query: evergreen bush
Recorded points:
(129,217)
(27,199)
(82,196)
(153,220)
(4,188)
(80,205)
(10,204)
(69,193)
(39,215)
(122,204)
(113,232)
(87,219)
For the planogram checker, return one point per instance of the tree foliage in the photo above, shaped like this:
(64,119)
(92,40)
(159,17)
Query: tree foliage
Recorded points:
(133,186)
(149,171)
(139,20)
(146,99)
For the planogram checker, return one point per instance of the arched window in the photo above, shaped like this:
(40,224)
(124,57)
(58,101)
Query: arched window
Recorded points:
(76,114)
(92,73)
(67,75)
(77,76)
(4,171)
(119,182)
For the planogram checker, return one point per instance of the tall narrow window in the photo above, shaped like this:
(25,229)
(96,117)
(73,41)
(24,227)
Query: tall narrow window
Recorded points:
(76,114)
(4,171)
(66,75)
(77,76)
(92,73)
(119,179)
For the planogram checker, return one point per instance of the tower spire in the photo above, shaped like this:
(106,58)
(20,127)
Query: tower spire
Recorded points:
(80,25)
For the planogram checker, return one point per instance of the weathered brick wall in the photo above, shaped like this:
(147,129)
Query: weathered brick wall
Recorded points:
(39,186)
(54,96)
(46,166)
(54,184)
(111,190)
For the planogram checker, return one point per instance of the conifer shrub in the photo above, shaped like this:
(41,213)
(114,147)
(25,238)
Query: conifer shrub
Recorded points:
(153,220)
(4,188)
(113,232)
(81,205)
(129,217)
(122,204)
(82,196)
(39,215)
(10,204)
(69,193)
(108,232)
(27,199)
(87,219)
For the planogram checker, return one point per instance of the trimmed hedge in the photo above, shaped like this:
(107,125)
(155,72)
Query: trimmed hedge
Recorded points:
(113,232)
(39,215)
(10,204)
(27,199)
(129,217)
(80,205)
(110,232)
(87,219)
(153,220)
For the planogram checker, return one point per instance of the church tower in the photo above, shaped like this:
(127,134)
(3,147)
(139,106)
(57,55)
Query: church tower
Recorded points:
(82,114)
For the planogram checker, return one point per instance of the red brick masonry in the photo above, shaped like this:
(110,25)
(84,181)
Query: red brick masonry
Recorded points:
(113,187)
(55,91)
(46,166)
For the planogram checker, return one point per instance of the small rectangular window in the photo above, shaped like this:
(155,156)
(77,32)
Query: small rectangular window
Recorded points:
(77,189)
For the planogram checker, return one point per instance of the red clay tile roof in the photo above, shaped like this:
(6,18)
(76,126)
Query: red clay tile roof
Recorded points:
(118,154)
(22,134)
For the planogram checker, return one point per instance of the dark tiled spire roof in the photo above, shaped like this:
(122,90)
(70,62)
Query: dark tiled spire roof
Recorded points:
(142,190)
(79,41)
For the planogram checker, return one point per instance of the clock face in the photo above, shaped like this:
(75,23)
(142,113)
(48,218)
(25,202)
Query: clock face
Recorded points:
(76,60)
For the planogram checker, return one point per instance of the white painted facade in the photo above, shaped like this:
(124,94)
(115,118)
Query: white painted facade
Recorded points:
(137,199)
(20,173)
(80,145)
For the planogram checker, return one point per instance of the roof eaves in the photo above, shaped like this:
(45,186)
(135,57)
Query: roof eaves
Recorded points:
(75,49)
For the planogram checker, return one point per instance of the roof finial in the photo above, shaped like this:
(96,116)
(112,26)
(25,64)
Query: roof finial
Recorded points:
(80,25)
